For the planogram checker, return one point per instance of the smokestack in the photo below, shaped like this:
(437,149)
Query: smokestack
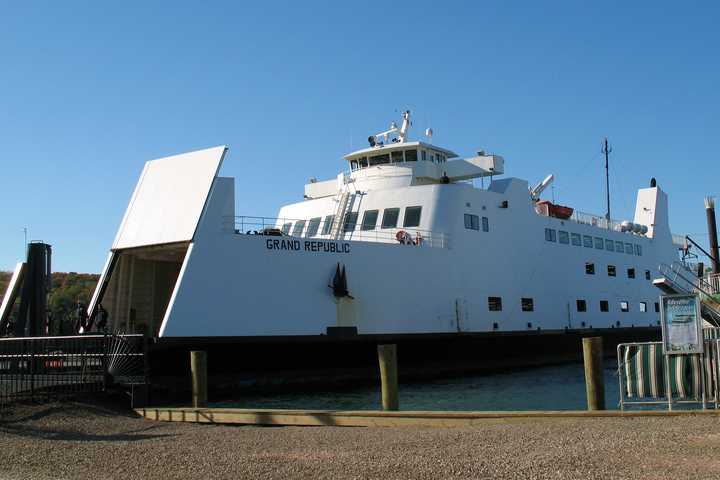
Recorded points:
(712,233)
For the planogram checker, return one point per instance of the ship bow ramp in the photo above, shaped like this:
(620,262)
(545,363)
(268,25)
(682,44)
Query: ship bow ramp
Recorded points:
(155,239)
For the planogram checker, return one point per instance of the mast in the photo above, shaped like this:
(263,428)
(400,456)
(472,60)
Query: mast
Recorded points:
(606,150)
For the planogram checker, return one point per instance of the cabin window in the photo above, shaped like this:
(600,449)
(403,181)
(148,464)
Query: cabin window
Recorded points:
(327,226)
(423,155)
(631,273)
(350,221)
(563,237)
(619,247)
(286,228)
(550,234)
(575,239)
(353,164)
(647,274)
(587,241)
(313,227)
(581,306)
(657,307)
(362,162)
(604,306)
(390,217)
(599,243)
(299,227)
(629,248)
(472,222)
(609,245)
(611,271)
(380,159)
(396,157)
(432,158)
(527,304)
(412,216)
(624,306)
(638,250)
(485,224)
(589,268)
(411,155)
(369,220)
(643,307)
(494,304)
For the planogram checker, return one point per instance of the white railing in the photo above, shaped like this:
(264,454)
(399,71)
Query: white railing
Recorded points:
(594,220)
(246,225)
(713,281)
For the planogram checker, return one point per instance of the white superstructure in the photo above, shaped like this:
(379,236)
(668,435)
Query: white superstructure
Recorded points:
(402,242)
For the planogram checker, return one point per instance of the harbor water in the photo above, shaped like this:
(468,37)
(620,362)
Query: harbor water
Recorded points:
(557,387)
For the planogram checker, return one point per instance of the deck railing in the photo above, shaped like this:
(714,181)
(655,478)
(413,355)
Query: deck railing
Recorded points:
(274,226)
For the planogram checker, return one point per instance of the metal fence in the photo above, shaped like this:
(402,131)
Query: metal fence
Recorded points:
(43,368)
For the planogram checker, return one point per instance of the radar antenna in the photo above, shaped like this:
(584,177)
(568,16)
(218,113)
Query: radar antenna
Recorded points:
(383,137)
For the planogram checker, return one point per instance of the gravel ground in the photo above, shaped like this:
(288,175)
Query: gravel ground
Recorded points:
(85,440)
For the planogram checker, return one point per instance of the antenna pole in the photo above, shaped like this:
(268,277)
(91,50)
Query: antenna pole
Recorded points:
(606,150)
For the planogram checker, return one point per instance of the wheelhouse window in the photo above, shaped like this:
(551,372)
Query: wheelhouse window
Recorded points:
(397,156)
(587,241)
(379,159)
(624,306)
(362,162)
(472,222)
(423,155)
(286,228)
(369,220)
(353,165)
(298,229)
(619,247)
(411,155)
(485,224)
(327,225)
(575,239)
(350,221)
(599,243)
(609,245)
(563,237)
(581,305)
(550,234)
(631,272)
(494,304)
(313,226)
(390,217)
(638,250)
(629,248)
(611,271)
(412,217)
(527,304)
(589,268)
(604,306)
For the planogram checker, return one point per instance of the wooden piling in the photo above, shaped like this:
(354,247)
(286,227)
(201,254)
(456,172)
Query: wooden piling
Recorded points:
(387,356)
(594,381)
(198,369)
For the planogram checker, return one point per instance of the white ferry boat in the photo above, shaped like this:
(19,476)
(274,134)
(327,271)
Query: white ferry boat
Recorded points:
(409,239)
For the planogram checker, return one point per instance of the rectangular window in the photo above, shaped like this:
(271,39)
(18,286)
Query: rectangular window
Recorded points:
(609,245)
(619,247)
(494,304)
(411,155)
(599,243)
(369,220)
(313,227)
(657,307)
(631,272)
(638,250)
(299,227)
(643,307)
(629,248)
(350,221)
(362,162)
(550,234)
(396,157)
(472,222)
(390,217)
(412,217)
(286,228)
(563,237)
(527,304)
(327,225)
(587,241)
(624,306)
(590,268)
(611,271)
(647,274)
(353,165)
(604,306)
(379,159)
(575,239)
(423,155)
(485,224)
(581,306)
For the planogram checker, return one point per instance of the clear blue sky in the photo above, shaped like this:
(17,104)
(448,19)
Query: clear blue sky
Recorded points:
(91,90)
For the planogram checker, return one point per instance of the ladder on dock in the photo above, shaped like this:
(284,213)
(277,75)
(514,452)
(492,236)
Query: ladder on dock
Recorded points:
(678,279)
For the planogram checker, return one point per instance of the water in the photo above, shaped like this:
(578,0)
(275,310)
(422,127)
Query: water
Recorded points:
(559,387)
